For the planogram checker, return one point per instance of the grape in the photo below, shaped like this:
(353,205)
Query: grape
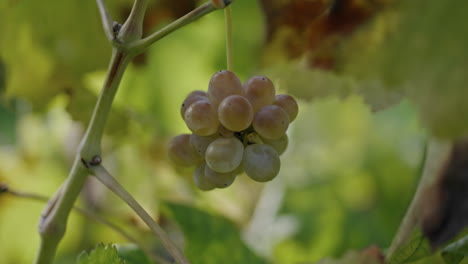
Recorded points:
(223,84)
(271,121)
(200,179)
(260,91)
(235,113)
(224,154)
(224,132)
(200,143)
(220,180)
(192,98)
(279,145)
(202,118)
(289,104)
(261,162)
(181,152)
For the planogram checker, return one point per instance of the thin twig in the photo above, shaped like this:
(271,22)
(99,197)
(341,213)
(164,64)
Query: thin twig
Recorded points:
(88,214)
(110,182)
(195,14)
(107,21)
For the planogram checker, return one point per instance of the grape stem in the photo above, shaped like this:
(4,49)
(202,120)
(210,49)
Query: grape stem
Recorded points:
(229,42)
(127,42)
(110,182)
(107,22)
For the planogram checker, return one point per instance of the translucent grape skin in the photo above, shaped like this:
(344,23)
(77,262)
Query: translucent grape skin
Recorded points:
(260,91)
(224,132)
(202,118)
(279,145)
(235,113)
(224,154)
(181,152)
(222,84)
(271,121)
(289,104)
(261,162)
(220,180)
(200,179)
(200,143)
(191,98)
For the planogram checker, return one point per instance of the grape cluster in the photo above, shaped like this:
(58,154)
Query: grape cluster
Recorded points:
(236,128)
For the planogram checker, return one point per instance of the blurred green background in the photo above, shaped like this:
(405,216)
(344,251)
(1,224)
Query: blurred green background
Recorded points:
(345,179)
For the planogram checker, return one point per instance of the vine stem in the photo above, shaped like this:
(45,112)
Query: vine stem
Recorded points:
(110,182)
(229,42)
(127,43)
(106,20)
(83,212)
(52,224)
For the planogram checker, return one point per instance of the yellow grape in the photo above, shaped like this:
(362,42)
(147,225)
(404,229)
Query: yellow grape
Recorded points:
(223,84)
(202,118)
(235,113)
(260,91)
(271,121)
(289,104)
(181,152)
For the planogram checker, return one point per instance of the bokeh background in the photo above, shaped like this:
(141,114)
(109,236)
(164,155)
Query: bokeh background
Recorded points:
(345,181)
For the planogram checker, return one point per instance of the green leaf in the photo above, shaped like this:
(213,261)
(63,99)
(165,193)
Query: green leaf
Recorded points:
(456,252)
(132,254)
(101,255)
(416,248)
(210,238)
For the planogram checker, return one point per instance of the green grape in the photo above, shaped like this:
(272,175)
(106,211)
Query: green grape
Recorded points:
(224,154)
(200,179)
(261,162)
(200,143)
(235,113)
(223,84)
(289,104)
(260,91)
(181,152)
(192,98)
(202,118)
(279,145)
(271,121)
(220,180)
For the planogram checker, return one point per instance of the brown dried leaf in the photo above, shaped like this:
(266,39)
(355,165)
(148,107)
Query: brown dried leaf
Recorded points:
(314,29)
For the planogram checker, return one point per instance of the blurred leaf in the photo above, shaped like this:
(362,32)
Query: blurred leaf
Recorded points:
(101,255)
(370,255)
(416,248)
(2,77)
(132,254)
(423,55)
(456,252)
(210,238)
